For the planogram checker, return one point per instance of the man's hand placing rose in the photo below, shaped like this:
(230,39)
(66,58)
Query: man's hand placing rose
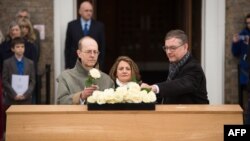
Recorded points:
(149,87)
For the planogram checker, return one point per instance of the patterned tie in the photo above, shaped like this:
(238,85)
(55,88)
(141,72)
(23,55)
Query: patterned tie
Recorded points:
(85,30)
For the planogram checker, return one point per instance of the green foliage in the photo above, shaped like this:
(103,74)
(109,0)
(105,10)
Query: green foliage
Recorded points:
(89,81)
(133,79)
(146,89)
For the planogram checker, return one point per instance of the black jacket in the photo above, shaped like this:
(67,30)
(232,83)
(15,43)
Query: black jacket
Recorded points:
(74,33)
(187,87)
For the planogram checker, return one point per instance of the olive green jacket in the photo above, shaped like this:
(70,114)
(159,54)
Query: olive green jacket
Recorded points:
(71,83)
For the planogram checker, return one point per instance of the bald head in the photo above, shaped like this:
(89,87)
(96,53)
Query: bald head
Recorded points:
(87,41)
(86,10)
(85,3)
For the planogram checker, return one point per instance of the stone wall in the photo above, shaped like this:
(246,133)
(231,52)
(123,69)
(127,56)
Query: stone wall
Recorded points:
(41,13)
(236,10)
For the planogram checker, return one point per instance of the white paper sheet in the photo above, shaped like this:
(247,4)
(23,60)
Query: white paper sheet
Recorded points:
(20,83)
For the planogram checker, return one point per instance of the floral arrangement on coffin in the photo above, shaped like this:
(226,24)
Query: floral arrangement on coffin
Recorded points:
(132,93)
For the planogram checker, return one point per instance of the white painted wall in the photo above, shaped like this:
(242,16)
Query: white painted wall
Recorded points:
(64,11)
(213,45)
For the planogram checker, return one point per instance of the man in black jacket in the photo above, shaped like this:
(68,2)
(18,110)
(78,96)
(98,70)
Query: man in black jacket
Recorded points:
(83,26)
(186,81)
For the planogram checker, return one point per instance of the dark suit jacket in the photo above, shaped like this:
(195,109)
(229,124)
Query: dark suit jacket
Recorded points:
(75,33)
(5,52)
(9,68)
(187,87)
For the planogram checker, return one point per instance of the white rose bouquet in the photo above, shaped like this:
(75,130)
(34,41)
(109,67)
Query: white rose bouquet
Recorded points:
(93,75)
(132,93)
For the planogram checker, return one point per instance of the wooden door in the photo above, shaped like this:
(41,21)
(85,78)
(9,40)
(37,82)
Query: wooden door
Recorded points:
(137,28)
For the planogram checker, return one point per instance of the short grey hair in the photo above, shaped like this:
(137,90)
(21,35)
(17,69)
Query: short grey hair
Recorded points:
(179,34)
(23,10)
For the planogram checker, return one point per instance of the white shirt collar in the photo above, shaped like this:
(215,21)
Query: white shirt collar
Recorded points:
(119,83)
(83,22)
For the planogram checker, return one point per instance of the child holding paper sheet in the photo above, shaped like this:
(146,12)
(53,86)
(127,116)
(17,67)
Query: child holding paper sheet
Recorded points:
(18,75)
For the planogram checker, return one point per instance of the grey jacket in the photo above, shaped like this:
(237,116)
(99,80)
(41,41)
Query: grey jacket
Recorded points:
(71,83)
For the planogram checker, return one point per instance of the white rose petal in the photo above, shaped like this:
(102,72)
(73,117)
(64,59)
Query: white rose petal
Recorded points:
(96,93)
(121,93)
(133,98)
(133,91)
(91,99)
(109,98)
(136,98)
(101,99)
(121,89)
(146,98)
(95,73)
(118,98)
(109,91)
(152,96)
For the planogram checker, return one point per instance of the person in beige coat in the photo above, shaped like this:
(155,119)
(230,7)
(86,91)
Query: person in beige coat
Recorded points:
(71,82)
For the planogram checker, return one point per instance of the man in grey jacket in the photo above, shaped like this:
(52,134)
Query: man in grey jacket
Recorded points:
(71,87)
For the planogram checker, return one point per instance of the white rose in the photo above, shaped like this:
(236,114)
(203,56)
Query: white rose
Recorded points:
(110,98)
(109,91)
(122,89)
(119,98)
(96,93)
(95,73)
(121,92)
(152,96)
(146,98)
(133,98)
(93,98)
(133,91)
(134,86)
(136,98)
(101,99)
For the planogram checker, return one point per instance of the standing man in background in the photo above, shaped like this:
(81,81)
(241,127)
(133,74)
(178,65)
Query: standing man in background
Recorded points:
(83,26)
(240,48)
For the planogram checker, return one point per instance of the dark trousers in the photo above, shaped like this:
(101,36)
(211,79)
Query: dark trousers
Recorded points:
(1,112)
(247,121)
(242,93)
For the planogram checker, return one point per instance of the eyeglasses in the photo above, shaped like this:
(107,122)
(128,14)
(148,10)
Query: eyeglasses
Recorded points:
(89,52)
(171,48)
(24,17)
